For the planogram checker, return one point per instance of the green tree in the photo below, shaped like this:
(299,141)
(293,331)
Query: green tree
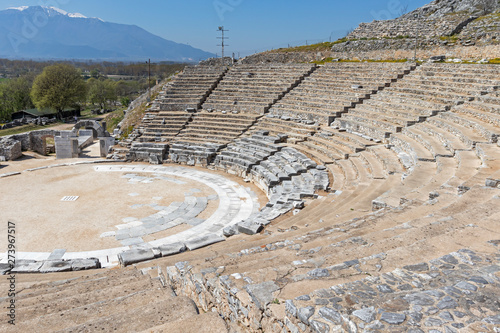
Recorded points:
(15,96)
(101,92)
(58,87)
(125,101)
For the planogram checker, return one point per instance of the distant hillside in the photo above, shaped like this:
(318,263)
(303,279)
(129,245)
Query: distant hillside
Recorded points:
(49,33)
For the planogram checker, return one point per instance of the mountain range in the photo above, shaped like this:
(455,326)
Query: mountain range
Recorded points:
(40,32)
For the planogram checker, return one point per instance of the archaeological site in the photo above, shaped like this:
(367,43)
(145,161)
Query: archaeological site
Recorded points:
(353,189)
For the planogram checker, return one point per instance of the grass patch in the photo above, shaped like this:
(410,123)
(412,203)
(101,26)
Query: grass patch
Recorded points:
(113,119)
(495,61)
(134,117)
(21,129)
(307,48)
(327,60)
(453,39)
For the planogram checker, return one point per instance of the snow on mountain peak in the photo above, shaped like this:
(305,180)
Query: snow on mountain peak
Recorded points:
(19,8)
(52,10)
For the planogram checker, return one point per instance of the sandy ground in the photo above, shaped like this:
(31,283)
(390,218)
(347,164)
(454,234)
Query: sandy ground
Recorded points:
(45,223)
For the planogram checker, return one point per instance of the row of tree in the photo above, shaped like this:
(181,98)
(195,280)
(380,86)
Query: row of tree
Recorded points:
(61,86)
(162,70)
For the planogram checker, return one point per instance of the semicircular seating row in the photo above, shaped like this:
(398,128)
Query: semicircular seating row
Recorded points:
(440,122)
(415,175)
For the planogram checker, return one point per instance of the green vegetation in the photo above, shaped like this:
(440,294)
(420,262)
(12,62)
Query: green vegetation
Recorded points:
(307,48)
(58,87)
(327,60)
(107,85)
(160,71)
(101,92)
(453,39)
(494,16)
(15,95)
(326,46)
(495,61)
(113,119)
(20,129)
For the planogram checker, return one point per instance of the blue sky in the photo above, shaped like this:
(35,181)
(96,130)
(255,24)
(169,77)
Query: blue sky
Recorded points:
(254,25)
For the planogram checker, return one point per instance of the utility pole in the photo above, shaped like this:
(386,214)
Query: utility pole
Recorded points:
(222,38)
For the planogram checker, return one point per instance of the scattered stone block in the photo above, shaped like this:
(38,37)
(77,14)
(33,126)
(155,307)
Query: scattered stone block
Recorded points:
(249,227)
(4,269)
(262,294)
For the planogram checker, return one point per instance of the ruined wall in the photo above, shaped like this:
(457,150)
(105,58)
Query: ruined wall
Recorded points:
(10,149)
(38,140)
(14,145)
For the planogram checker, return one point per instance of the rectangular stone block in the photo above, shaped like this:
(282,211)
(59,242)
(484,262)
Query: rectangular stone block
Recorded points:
(135,255)
(203,241)
(171,249)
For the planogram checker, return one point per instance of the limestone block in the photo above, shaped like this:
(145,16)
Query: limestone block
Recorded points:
(11,149)
(171,249)
(84,264)
(133,256)
(203,241)
(105,143)
(28,267)
(249,227)
(55,266)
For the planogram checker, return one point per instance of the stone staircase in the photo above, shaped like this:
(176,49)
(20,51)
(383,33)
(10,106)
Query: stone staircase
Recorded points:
(216,127)
(190,88)
(335,87)
(254,88)
(431,89)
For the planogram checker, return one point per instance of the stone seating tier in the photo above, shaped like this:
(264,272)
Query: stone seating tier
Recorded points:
(293,128)
(330,91)
(78,302)
(190,88)
(266,83)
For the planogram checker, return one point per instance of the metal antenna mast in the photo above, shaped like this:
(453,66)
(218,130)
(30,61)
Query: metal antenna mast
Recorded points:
(222,44)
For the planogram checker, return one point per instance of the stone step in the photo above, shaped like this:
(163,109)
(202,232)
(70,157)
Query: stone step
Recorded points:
(391,163)
(412,147)
(209,322)
(376,129)
(446,168)
(72,298)
(142,317)
(102,279)
(376,166)
(421,175)
(431,142)
(315,155)
(468,136)
(449,140)
(403,119)
(487,131)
